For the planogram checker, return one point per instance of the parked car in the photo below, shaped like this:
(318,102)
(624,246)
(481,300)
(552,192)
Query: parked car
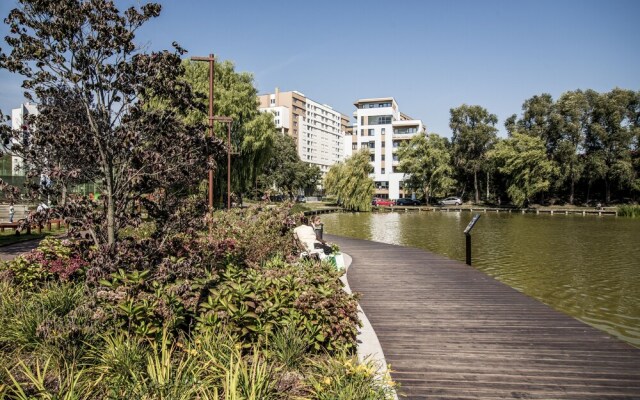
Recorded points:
(407,202)
(451,201)
(301,199)
(382,202)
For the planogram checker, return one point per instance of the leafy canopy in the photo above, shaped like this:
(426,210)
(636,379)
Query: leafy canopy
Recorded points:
(350,182)
(91,82)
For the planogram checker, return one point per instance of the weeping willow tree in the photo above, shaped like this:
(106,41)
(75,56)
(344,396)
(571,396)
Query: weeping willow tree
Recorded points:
(252,132)
(350,182)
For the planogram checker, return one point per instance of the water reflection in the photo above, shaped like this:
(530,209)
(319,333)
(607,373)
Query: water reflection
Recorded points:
(586,266)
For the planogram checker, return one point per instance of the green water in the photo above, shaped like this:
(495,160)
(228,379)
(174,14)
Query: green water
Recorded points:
(585,266)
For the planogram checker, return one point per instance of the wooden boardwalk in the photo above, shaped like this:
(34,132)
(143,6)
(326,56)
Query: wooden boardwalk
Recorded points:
(452,332)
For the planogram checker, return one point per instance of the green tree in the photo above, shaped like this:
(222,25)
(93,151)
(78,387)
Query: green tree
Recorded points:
(609,138)
(427,161)
(523,159)
(474,133)
(574,111)
(350,182)
(539,119)
(252,132)
(86,48)
(286,172)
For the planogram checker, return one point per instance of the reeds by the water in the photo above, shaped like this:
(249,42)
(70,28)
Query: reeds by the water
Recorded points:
(632,211)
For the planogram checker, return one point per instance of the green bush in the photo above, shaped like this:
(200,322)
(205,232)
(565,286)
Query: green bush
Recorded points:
(255,302)
(632,211)
(55,322)
(343,377)
(52,260)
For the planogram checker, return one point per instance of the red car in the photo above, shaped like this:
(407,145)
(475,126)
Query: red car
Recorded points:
(383,202)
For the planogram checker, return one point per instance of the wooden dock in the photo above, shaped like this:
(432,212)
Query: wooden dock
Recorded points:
(451,332)
(550,211)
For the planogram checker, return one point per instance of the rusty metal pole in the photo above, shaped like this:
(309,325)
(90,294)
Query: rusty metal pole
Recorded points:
(211,60)
(211,80)
(228,165)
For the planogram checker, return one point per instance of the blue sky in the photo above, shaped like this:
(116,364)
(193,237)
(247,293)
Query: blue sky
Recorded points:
(429,55)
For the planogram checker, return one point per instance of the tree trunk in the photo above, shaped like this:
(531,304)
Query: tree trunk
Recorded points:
(607,186)
(63,200)
(111,228)
(487,198)
(475,186)
(572,190)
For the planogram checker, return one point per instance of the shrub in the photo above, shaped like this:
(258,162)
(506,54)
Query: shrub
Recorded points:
(144,285)
(343,377)
(56,322)
(248,236)
(255,302)
(632,211)
(53,260)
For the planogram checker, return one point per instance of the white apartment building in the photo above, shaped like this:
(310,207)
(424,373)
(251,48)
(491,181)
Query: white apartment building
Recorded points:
(317,128)
(10,164)
(380,127)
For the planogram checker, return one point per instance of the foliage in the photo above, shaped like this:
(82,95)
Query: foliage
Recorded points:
(253,134)
(53,260)
(474,134)
(253,303)
(55,323)
(523,159)
(427,160)
(344,378)
(82,55)
(632,211)
(350,182)
(286,172)
(591,137)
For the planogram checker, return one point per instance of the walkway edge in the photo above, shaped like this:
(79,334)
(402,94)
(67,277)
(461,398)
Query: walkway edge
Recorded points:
(369,348)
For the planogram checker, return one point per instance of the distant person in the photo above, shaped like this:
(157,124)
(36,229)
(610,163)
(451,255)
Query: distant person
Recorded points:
(42,207)
(307,236)
(12,212)
(316,224)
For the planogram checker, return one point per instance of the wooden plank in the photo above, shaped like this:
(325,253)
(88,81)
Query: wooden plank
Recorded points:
(451,332)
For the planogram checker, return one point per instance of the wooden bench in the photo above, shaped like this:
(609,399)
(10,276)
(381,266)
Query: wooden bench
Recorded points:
(15,225)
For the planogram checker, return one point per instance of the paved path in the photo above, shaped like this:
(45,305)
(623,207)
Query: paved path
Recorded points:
(451,332)
(11,251)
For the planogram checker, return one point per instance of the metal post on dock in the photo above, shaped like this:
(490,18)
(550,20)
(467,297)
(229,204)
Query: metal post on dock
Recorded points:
(467,234)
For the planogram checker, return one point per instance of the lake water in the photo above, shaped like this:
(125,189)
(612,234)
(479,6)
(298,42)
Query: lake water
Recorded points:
(585,266)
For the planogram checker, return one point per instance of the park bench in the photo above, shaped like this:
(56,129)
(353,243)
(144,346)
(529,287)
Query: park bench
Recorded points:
(15,225)
(304,251)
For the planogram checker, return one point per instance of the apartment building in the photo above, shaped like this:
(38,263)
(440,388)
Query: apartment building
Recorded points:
(380,127)
(10,163)
(317,129)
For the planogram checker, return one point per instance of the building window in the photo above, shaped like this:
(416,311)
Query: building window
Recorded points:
(361,132)
(395,157)
(405,131)
(371,132)
(382,131)
(372,145)
(383,144)
(382,171)
(273,101)
(379,119)
(354,146)
(372,157)
(277,122)
(382,157)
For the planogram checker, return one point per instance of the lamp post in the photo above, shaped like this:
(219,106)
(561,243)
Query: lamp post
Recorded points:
(228,121)
(211,60)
